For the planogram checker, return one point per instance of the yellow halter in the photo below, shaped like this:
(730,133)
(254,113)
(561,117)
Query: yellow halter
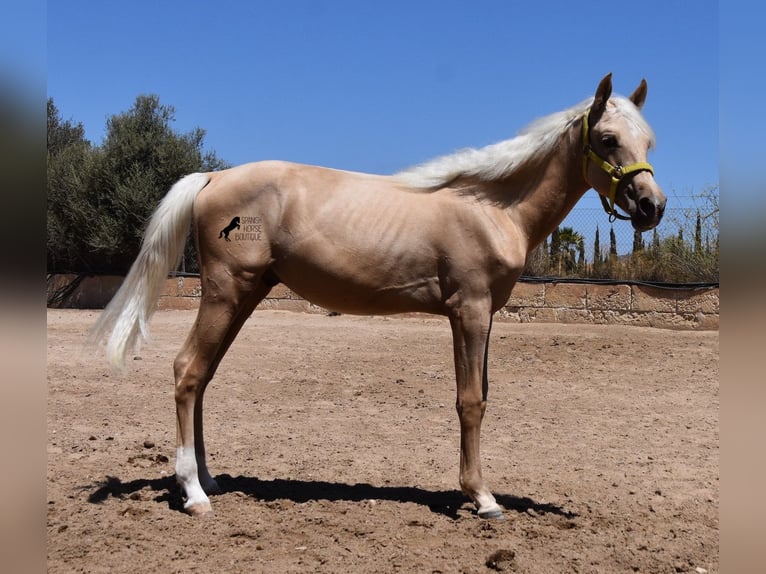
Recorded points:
(616,172)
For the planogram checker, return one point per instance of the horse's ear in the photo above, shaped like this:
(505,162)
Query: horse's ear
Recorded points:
(603,92)
(639,96)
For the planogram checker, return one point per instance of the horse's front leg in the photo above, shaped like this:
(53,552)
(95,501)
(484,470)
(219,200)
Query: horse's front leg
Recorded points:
(470,331)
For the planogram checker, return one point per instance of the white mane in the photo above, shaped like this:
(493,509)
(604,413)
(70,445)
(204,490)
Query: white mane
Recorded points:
(499,160)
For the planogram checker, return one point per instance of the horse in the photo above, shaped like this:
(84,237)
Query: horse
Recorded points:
(447,237)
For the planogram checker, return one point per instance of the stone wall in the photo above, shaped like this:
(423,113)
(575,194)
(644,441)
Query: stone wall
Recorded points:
(614,304)
(530,302)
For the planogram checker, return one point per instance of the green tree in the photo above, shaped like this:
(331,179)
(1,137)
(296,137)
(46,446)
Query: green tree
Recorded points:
(105,198)
(69,168)
(62,134)
(612,242)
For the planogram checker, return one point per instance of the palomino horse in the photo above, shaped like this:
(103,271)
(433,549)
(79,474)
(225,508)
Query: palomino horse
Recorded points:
(449,237)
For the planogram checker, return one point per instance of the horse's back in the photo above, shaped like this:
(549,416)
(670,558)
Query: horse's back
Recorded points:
(290,175)
(289,190)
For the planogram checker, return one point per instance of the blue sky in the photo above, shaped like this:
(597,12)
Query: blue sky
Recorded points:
(380,86)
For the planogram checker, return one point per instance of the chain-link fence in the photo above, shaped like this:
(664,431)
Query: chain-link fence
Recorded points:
(684,248)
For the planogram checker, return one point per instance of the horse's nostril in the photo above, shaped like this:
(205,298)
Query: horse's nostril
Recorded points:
(646,207)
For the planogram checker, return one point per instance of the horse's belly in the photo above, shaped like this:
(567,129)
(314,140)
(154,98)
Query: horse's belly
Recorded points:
(361,292)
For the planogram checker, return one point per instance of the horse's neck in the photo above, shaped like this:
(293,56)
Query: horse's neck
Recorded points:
(539,194)
(544,196)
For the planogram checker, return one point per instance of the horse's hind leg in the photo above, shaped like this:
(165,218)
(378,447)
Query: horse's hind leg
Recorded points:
(223,310)
(208,483)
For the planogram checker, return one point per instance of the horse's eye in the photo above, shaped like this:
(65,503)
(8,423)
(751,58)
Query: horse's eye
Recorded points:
(609,141)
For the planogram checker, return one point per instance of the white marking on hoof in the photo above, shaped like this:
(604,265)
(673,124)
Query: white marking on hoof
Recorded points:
(197,502)
(487,507)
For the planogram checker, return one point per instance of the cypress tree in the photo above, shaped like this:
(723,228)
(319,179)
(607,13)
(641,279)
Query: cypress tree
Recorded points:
(698,234)
(638,242)
(596,249)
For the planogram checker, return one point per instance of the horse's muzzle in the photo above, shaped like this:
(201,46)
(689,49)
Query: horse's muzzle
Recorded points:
(645,202)
(648,212)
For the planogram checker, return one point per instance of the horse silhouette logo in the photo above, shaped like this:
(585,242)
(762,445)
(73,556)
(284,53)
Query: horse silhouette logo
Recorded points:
(226,230)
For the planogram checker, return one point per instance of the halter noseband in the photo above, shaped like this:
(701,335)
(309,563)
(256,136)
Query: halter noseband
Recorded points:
(616,172)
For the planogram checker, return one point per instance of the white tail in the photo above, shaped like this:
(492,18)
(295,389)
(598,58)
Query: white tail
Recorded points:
(127,314)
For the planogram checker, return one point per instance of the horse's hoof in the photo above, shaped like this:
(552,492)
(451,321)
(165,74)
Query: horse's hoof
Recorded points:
(492,514)
(199,509)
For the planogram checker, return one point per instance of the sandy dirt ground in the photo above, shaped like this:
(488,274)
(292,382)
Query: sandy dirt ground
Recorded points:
(335,441)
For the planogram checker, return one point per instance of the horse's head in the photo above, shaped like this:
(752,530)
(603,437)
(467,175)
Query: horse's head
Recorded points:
(616,140)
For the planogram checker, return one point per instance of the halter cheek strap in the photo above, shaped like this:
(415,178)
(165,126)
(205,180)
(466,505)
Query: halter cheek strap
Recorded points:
(616,172)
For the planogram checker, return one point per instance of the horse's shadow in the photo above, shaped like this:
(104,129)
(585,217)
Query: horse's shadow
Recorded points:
(446,502)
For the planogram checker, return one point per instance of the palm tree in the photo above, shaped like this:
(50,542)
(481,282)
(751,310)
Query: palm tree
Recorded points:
(570,243)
